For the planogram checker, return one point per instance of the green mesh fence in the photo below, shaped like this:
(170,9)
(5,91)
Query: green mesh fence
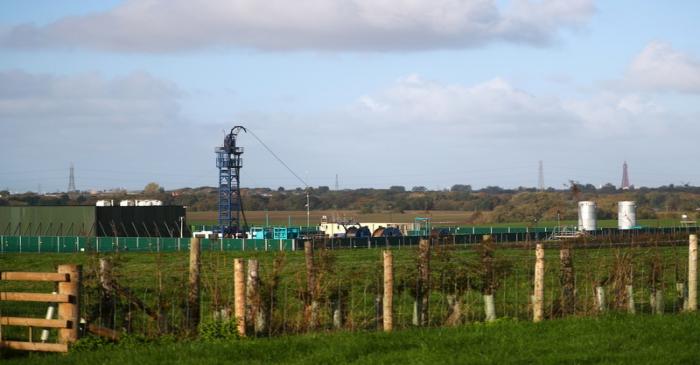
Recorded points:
(58,244)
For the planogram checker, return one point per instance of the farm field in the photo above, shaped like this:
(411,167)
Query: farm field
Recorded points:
(441,218)
(601,340)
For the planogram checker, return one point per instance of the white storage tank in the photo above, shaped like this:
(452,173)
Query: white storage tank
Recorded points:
(626,215)
(104,203)
(586,216)
(126,203)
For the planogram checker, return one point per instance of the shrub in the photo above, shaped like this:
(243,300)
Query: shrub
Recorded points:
(214,330)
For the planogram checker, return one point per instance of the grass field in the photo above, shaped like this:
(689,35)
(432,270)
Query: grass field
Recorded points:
(441,218)
(603,340)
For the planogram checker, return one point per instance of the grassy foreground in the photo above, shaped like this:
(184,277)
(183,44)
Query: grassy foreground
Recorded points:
(668,339)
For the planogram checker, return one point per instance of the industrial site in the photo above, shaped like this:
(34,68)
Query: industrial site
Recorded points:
(349,182)
(132,224)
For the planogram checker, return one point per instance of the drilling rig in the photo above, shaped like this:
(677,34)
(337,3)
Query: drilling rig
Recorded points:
(229,163)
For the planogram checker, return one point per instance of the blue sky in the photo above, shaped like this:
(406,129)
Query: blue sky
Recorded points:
(430,93)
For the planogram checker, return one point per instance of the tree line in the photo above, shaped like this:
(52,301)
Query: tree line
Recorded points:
(500,204)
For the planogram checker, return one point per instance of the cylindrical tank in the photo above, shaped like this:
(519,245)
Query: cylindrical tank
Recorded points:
(626,215)
(586,216)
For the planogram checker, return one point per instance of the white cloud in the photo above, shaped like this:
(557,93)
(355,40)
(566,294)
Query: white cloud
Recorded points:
(496,108)
(354,25)
(618,115)
(491,107)
(136,100)
(660,67)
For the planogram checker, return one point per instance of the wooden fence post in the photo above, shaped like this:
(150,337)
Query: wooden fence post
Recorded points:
(387,312)
(239,294)
(538,302)
(693,273)
(423,296)
(194,292)
(69,311)
(567,280)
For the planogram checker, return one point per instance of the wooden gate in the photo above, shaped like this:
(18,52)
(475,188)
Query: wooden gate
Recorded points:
(68,300)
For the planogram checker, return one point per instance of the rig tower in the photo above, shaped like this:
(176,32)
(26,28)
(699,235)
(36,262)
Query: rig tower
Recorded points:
(229,163)
(540,180)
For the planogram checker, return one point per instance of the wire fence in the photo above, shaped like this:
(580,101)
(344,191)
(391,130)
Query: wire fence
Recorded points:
(463,284)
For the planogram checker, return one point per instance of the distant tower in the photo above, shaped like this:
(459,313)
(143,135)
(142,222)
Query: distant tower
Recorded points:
(540,182)
(229,162)
(336,182)
(71,179)
(625,177)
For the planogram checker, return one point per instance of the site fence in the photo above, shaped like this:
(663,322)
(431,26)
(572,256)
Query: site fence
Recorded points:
(60,244)
(70,244)
(436,283)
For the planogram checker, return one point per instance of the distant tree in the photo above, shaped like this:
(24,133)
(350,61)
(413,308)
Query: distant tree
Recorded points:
(419,189)
(281,188)
(397,189)
(461,188)
(587,188)
(493,189)
(323,189)
(607,188)
(153,188)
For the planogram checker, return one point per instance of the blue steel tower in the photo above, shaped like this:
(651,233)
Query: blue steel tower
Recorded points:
(229,162)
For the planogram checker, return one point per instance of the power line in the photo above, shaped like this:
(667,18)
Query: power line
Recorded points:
(278,159)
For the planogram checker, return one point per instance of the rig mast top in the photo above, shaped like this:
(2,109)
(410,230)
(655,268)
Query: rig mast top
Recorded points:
(229,163)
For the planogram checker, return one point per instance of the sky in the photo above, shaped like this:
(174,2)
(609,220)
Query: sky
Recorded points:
(378,92)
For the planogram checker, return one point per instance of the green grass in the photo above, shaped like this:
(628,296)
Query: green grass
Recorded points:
(604,340)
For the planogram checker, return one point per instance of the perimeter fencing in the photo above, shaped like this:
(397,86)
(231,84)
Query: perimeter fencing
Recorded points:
(437,283)
(72,244)
(68,244)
